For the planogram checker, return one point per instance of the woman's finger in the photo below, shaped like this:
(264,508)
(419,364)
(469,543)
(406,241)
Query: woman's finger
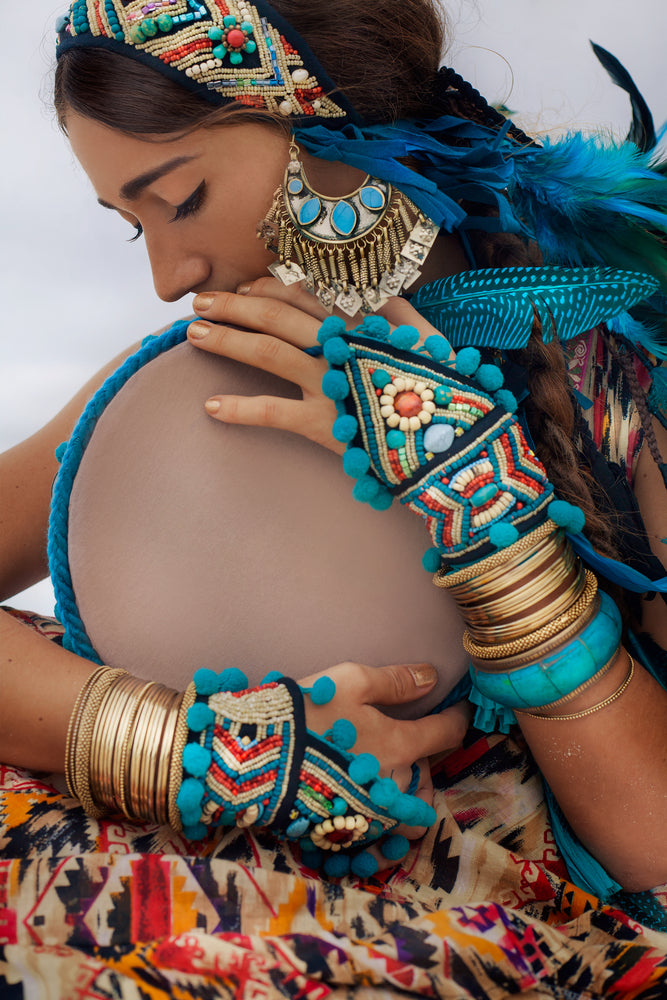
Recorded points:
(263,315)
(276,411)
(269,353)
(295,295)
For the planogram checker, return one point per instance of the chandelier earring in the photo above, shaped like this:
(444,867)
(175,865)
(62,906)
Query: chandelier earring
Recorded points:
(353,252)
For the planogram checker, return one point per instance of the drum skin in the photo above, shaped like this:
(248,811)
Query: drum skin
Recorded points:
(193,543)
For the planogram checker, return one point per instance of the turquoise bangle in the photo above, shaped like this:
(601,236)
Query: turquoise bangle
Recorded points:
(557,675)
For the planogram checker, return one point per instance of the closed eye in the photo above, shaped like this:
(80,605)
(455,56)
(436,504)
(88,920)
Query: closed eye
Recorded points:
(191,205)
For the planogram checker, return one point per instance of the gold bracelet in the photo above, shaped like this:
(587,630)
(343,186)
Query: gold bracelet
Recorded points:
(496,651)
(448,579)
(587,711)
(73,729)
(176,762)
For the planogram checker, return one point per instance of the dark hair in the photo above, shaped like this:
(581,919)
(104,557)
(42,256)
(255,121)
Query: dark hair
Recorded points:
(384,56)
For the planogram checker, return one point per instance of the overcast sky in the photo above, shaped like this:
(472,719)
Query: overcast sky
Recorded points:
(74,292)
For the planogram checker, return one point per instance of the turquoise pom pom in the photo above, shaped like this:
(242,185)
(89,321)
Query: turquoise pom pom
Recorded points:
(376,326)
(272,676)
(333,326)
(345,428)
(337,865)
(506,399)
(404,337)
(356,462)
(195,831)
(567,516)
(335,385)
(489,377)
(343,734)
(382,501)
(338,806)
(384,792)
(310,855)
(364,768)
(196,760)
(502,535)
(200,716)
(438,347)
(336,350)
(60,451)
(190,795)
(380,378)
(395,439)
(431,560)
(206,681)
(365,489)
(405,809)
(322,691)
(426,814)
(232,679)
(467,361)
(395,847)
(364,865)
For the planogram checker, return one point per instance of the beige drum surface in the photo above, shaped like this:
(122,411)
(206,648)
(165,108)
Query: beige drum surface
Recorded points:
(193,543)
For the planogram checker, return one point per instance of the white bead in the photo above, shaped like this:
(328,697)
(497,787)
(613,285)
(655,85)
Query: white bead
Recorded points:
(415,423)
(386,400)
(386,411)
(350,822)
(420,388)
(390,390)
(196,70)
(410,384)
(188,71)
(210,64)
(317,105)
(300,75)
(400,384)
(425,417)
(404,424)
(428,406)
(327,826)
(339,822)
(394,420)
(285,108)
(427,394)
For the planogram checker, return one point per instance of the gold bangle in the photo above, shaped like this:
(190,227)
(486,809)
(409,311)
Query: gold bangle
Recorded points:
(176,762)
(594,708)
(448,579)
(497,651)
(73,729)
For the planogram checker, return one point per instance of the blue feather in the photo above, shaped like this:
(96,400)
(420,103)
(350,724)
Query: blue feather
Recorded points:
(498,307)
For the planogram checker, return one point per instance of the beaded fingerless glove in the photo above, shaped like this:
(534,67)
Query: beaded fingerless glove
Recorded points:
(250,760)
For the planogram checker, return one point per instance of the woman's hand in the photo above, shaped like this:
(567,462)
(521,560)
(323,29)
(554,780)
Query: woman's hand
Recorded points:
(269,326)
(397,743)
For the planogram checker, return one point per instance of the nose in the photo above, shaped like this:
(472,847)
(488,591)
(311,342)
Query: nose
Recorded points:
(176,269)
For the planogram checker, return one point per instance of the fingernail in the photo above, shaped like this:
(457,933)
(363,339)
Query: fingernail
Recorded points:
(198,330)
(423,674)
(201,303)
(243,289)
(212,405)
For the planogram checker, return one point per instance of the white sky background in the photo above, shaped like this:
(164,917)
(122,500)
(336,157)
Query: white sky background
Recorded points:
(74,293)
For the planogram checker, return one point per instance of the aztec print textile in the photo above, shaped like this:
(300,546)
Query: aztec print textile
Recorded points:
(607,404)
(481,908)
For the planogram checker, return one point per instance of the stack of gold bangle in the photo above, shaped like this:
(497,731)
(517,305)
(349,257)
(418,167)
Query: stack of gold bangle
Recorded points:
(121,745)
(521,603)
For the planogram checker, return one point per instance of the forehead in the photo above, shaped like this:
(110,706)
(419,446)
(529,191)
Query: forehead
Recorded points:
(108,155)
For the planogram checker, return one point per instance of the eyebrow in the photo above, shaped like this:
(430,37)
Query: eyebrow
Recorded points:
(131,190)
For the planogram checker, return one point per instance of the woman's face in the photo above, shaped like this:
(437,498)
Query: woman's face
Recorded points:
(197,199)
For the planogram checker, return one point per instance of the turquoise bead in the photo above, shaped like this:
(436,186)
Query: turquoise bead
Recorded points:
(165,23)
(344,218)
(215,34)
(247,27)
(483,494)
(295,186)
(380,378)
(310,211)
(372,198)
(229,21)
(149,27)
(443,395)
(250,46)
(236,58)
(220,52)
(395,439)
(298,827)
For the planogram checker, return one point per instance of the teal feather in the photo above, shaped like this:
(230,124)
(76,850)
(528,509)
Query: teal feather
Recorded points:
(498,307)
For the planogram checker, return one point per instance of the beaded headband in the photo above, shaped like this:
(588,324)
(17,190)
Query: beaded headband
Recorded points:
(222,50)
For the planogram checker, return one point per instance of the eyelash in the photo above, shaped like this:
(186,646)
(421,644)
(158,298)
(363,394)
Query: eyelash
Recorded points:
(187,208)
(191,205)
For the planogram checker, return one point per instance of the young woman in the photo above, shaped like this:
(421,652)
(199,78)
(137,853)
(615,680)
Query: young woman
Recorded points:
(147,109)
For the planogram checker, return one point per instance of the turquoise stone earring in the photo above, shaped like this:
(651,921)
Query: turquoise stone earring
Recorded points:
(352,252)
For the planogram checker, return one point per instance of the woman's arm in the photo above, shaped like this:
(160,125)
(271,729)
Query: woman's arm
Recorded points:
(26,476)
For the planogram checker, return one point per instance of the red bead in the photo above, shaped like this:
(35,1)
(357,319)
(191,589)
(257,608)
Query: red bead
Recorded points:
(235,38)
(407,404)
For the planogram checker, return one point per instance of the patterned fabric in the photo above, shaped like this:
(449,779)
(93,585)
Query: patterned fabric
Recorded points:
(480,908)
(607,404)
